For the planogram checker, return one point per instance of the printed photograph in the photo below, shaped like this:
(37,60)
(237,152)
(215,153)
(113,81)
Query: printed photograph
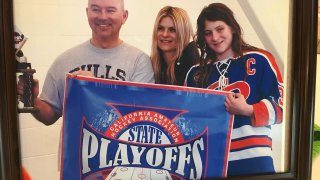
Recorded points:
(216,71)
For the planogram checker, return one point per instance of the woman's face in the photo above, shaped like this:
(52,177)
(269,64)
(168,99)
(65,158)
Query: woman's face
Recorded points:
(166,35)
(218,37)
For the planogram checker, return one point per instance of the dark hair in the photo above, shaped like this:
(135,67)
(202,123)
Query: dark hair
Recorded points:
(216,12)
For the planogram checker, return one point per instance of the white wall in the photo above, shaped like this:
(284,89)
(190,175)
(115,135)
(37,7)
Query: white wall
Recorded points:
(53,26)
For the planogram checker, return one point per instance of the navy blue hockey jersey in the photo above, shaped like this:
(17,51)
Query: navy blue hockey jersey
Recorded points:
(256,76)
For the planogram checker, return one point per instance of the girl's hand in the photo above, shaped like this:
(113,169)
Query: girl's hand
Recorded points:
(236,104)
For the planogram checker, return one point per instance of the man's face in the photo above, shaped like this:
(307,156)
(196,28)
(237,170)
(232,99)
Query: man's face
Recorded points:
(106,17)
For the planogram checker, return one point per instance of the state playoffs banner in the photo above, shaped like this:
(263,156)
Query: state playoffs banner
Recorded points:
(123,130)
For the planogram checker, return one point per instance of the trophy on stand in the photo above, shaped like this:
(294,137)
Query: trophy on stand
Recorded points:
(26,72)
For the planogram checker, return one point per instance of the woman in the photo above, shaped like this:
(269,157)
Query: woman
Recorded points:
(228,63)
(172,53)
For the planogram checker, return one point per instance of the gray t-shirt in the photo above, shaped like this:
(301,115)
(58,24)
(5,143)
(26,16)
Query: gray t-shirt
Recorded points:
(123,62)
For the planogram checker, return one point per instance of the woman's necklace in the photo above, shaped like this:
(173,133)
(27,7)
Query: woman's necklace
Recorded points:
(222,67)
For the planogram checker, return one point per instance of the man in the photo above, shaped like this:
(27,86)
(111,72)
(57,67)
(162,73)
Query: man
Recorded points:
(105,55)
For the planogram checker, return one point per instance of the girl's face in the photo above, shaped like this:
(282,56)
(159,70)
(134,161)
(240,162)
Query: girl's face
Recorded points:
(218,37)
(166,35)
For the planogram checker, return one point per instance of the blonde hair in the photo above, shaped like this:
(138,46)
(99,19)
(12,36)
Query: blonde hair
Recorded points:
(184,34)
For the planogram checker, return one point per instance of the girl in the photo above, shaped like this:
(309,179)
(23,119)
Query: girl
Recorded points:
(228,63)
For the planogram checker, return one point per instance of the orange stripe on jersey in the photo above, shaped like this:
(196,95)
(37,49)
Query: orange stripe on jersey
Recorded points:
(274,65)
(249,142)
(261,115)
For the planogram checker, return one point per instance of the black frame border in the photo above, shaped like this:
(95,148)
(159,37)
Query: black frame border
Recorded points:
(303,52)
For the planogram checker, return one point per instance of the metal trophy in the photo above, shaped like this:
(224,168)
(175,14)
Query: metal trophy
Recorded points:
(26,72)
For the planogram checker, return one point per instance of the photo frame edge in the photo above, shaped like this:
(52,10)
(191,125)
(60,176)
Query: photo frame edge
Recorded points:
(9,131)
(302,88)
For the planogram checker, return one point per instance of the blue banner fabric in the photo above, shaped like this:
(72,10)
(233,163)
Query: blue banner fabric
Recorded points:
(124,130)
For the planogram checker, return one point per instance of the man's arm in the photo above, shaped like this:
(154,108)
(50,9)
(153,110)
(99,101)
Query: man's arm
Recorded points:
(46,114)
(143,71)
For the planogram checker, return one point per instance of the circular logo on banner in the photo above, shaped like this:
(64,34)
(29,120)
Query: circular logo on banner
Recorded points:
(146,127)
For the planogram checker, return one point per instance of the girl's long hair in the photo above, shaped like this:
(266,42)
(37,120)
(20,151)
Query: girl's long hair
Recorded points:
(184,35)
(216,12)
